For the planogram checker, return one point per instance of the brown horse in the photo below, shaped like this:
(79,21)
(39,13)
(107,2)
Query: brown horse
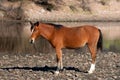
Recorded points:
(63,37)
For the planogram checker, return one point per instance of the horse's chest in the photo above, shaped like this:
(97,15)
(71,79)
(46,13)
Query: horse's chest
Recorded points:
(57,41)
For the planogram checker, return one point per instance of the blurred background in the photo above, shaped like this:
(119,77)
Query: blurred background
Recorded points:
(16,14)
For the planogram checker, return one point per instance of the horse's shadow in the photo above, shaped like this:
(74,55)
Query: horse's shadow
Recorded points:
(44,69)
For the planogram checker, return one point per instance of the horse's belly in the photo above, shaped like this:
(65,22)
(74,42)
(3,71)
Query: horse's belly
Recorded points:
(75,44)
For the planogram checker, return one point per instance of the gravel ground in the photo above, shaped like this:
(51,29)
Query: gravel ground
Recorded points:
(41,66)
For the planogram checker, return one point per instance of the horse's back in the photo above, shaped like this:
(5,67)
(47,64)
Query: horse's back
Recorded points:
(76,36)
(86,30)
(90,28)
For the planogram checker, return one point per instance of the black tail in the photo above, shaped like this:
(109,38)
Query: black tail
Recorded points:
(100,41)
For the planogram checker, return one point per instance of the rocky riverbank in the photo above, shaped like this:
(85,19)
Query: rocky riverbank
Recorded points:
(40,66)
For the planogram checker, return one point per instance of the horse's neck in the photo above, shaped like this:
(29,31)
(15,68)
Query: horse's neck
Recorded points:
(47,31)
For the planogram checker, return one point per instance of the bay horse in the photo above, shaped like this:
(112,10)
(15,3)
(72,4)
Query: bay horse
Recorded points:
(63,37)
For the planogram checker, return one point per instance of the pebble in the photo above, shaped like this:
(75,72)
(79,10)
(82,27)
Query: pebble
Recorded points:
(118,65)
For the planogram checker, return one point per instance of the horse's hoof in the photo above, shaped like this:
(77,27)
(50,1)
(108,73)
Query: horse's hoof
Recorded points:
(61,70)
(56,72)
(92,69)
(90,72)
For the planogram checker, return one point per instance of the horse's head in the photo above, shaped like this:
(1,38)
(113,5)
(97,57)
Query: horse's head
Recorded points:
(35,31)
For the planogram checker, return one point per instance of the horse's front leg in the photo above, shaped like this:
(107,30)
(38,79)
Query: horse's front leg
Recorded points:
(59,60)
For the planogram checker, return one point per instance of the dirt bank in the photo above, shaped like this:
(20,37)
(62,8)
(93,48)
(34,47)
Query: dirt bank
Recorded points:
(60,10)
(39,66)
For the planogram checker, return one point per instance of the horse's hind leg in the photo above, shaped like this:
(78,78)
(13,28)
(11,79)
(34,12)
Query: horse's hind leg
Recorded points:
(59,60)
(92,49)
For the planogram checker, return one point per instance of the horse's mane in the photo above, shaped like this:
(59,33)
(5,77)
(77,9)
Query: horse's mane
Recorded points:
(57,26)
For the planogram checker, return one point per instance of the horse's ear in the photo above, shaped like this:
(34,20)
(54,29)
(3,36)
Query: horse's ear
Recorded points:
(37,23)
(31,23)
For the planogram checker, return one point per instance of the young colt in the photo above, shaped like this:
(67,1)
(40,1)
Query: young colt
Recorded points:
(63,37)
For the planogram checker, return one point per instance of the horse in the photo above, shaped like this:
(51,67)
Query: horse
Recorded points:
(68,37)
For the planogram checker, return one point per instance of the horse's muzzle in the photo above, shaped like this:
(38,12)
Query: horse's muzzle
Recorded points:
(31,41)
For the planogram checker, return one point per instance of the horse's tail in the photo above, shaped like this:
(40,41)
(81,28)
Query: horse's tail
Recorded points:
(100,41)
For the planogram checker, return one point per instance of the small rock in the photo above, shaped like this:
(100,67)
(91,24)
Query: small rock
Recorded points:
(115,77)
(68,74)
(118,65)
(79,79)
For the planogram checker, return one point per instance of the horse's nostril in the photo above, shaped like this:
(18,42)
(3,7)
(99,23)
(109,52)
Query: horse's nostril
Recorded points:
(31,41)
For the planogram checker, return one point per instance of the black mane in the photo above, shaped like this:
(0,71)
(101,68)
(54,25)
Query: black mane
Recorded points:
(57,26)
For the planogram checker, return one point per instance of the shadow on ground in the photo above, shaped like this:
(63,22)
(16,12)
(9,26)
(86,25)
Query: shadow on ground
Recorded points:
(44,69)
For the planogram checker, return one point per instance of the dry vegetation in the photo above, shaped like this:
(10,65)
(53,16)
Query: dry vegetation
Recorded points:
(60,10)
